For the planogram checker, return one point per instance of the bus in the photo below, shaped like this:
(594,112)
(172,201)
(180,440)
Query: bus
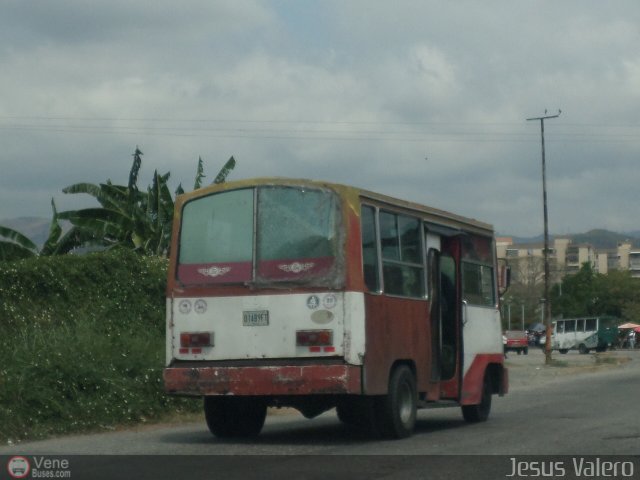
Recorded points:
(583,334)
(314,295)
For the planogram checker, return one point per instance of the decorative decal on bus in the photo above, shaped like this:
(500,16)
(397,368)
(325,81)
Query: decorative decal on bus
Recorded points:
(214,271)
(296,267)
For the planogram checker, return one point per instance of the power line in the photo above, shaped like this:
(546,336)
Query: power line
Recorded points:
(444,132)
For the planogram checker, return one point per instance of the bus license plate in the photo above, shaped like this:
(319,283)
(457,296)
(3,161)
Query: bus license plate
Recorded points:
(258,318)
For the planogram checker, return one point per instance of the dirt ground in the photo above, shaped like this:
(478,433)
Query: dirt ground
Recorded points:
(531,369)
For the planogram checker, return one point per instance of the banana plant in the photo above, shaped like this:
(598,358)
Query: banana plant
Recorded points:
(14,245)
(128,217)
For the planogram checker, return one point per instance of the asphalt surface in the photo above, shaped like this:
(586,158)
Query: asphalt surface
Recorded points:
(581,409)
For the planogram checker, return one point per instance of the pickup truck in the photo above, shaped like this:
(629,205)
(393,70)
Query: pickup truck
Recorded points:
(517,341)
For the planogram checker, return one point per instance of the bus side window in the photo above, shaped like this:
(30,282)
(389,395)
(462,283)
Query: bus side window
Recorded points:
(591,325)
(369,249)
(477,284)
(580,325)
(402,262)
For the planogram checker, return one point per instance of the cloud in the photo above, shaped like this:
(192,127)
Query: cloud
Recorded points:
(353,92)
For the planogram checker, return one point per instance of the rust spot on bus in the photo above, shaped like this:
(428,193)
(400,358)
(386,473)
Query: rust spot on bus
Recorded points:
(288,380)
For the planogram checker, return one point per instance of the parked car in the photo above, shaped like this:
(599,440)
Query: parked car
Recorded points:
(517,341)
(535,332)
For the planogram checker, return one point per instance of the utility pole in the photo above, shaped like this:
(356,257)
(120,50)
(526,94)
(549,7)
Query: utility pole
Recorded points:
(547,303)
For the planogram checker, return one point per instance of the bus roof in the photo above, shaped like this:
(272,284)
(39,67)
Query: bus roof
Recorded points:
(436,216)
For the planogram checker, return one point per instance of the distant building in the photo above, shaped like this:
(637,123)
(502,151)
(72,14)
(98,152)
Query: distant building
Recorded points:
(565,258)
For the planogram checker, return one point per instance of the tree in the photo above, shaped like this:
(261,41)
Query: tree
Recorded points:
(128,217)
(616,294)
(14,245)
(576,295)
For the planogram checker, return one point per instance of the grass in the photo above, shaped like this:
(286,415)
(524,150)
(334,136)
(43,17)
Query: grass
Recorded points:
(82,345)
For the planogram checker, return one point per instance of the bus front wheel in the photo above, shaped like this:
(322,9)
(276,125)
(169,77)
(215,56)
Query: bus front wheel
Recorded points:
(234,416)
(396,411)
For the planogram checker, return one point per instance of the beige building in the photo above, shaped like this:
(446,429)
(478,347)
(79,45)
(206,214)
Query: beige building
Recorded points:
(565,258)
(625,257)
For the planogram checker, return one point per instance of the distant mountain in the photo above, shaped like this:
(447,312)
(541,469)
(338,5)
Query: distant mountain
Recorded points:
(35,228)
(603,239)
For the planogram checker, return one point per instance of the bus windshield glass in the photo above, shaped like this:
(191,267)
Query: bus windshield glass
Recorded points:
(263,236)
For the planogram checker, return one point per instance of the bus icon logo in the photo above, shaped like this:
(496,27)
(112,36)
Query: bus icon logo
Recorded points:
(18,467)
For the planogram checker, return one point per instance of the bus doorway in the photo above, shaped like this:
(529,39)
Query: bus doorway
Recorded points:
(449,318)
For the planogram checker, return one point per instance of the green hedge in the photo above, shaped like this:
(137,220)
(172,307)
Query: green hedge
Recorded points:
(82,344)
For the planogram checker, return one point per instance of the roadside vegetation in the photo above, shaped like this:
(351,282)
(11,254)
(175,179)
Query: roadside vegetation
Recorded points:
(585,293)
(82,335)
(82,344)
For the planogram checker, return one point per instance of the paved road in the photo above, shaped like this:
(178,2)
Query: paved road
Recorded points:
(576,409)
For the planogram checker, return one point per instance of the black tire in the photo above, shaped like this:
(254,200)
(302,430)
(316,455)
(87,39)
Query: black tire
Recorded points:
(234,416)
(563,350)
(480,412)
(582,348)
(396,411)
(526,351)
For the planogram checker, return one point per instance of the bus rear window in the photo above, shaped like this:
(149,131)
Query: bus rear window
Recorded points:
(294,232)
(216,239)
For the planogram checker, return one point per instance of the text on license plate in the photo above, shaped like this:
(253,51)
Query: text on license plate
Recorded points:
(258,318)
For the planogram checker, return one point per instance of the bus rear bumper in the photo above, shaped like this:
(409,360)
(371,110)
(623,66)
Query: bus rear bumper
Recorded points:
(263,380)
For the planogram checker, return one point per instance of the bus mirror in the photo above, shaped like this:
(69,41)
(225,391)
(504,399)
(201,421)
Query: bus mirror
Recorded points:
(504,276)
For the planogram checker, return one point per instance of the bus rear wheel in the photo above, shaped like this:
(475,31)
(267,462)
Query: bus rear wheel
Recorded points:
(583,349)
(396,411)
(234,416)
(480,412)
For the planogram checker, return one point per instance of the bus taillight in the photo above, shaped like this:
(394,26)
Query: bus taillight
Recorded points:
(314,338)
(196,339)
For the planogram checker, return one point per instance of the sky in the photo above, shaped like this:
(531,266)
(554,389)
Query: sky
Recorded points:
(423,100)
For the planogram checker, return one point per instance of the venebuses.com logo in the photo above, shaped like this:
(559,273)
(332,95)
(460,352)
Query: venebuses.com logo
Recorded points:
(19,466)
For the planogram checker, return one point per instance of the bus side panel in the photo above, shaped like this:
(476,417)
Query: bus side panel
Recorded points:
(481,334)
(396,329)
(482,364)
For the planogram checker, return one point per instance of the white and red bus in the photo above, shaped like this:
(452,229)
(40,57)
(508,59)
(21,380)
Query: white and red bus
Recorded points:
(315,295)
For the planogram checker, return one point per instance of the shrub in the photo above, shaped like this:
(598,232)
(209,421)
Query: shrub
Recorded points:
(82,343)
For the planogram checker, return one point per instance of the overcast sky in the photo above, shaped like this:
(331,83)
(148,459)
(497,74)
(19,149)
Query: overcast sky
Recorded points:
(422,100)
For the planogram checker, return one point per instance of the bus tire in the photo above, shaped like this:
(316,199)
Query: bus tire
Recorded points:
(563,350)
(396,411)
(582,348)
(480,412)
(234,416)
